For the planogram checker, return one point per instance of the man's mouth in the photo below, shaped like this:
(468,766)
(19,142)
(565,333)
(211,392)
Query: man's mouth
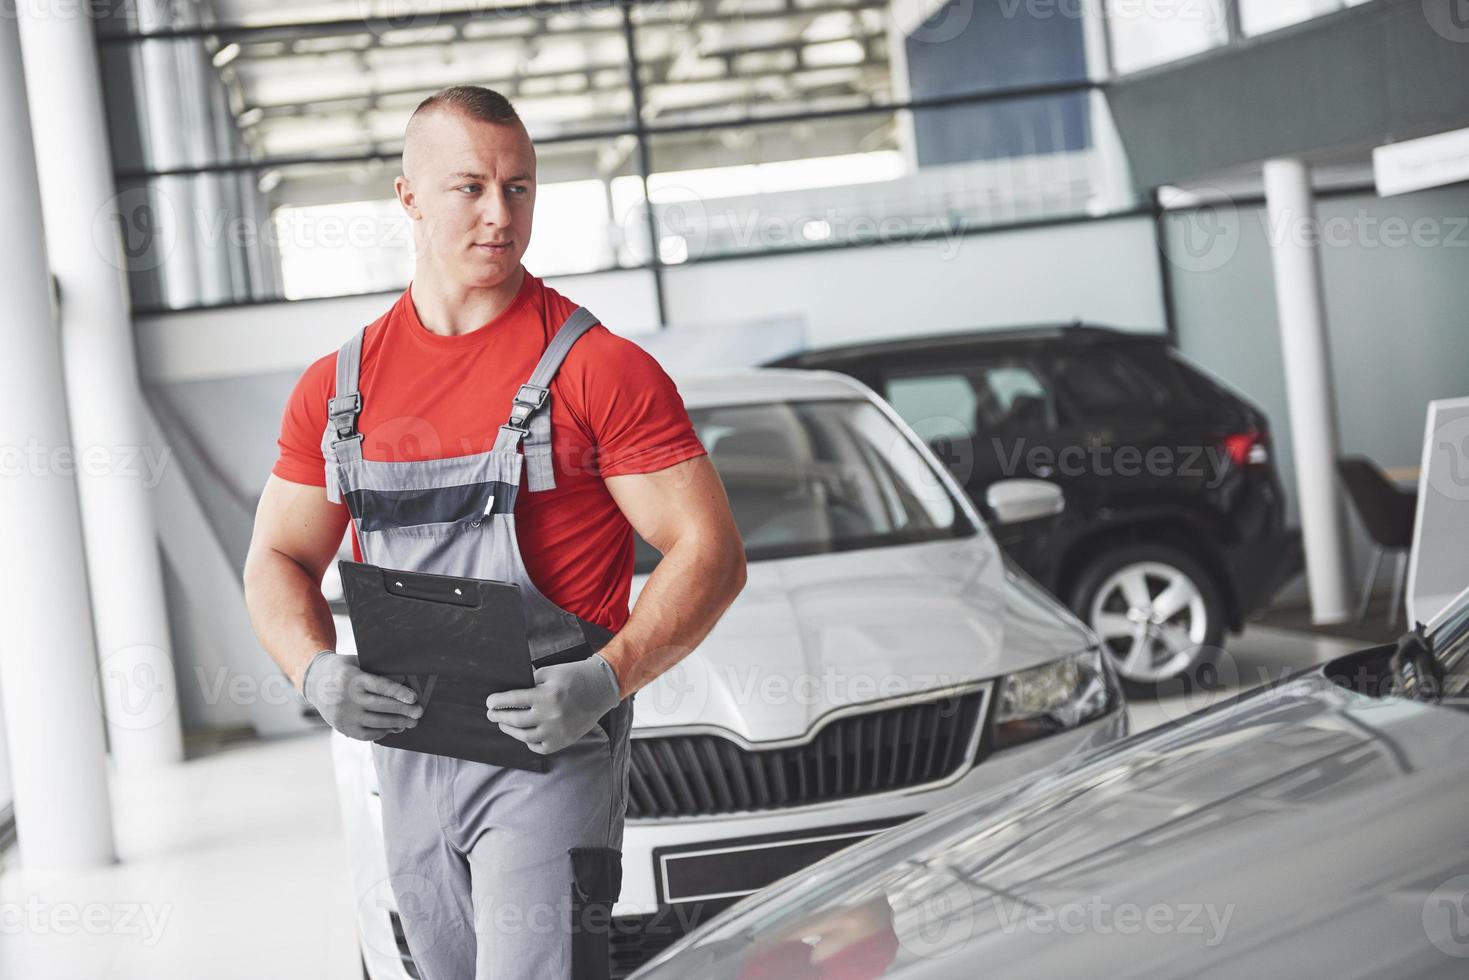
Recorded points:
(493,248)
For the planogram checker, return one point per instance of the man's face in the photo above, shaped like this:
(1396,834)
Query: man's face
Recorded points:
(470,187)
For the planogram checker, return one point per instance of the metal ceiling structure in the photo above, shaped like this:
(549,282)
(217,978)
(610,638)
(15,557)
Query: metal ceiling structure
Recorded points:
(342,84)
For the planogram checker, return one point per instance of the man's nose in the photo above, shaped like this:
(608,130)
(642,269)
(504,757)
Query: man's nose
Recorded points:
(495,209)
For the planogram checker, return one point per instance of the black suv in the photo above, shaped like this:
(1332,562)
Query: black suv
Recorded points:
(1174,524)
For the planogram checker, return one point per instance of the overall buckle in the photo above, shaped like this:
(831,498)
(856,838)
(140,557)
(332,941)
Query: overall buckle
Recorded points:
(342,411)
(528,398)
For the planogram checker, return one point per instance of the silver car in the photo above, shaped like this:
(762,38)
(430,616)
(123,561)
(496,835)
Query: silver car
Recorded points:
(881,662)
(1313,828)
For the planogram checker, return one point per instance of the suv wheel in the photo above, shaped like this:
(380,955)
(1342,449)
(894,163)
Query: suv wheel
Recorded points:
(1157,611)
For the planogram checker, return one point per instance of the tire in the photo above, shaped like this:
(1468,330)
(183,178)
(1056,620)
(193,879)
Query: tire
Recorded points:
(1150,645)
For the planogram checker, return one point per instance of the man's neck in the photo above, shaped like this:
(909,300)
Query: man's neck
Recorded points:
(451,309)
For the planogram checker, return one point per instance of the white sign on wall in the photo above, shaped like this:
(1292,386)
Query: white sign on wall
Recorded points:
(1415,165)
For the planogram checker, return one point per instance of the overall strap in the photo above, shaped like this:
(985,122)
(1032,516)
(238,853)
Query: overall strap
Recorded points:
(529,418)
(342,410)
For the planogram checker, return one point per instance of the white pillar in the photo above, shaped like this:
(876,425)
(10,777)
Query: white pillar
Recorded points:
(47,658)
(1295,244)
(114,461)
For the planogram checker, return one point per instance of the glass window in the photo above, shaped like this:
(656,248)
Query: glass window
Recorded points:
(311,230)
(872,178)
(815,477)
(1260,16)
(937,406)
(1145,33)
(347,88)
(1101,382)
(1012,397)
(714,62)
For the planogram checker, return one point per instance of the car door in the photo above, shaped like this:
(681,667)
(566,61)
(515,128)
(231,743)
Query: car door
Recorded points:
(983,417)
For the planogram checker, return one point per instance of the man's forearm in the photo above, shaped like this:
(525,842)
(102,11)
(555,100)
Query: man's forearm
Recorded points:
(290,615)
(684,597)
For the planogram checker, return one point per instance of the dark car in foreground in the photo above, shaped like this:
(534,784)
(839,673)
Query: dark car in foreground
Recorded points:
(1174,530)
(1315,827)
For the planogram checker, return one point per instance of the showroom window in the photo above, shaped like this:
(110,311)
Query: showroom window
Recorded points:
(254,158)
(1261,16)
(1147,33)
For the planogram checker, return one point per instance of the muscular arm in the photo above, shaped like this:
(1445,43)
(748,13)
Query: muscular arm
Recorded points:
(683,512)
(297,533)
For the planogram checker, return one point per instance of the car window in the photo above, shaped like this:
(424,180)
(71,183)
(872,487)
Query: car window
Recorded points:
(937,406)
(815,477)
(1013,397)
(1100,382)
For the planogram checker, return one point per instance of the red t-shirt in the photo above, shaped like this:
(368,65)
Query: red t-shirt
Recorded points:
(425,396)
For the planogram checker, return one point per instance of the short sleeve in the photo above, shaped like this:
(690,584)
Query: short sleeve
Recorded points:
(302,423)
(637,417)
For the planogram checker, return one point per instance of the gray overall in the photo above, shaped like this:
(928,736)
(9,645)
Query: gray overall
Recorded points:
(496,872)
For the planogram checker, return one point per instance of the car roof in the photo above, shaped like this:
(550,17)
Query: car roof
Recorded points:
(1070,333)
(755,385)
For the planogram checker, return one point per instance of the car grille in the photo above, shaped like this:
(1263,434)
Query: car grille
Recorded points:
(855,755)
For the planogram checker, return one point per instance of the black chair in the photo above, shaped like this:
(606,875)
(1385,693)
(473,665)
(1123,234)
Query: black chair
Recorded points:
(1387,514)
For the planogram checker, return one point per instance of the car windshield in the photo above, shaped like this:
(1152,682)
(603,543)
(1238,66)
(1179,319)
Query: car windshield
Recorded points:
(812,477)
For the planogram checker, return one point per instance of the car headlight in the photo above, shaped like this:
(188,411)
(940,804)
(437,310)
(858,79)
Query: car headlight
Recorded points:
(1053,697)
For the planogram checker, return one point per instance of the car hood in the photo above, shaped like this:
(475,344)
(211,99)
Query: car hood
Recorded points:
(812,634)
(1306,830)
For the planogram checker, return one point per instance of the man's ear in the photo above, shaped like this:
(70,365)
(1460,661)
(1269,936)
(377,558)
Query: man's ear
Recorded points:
(406,197)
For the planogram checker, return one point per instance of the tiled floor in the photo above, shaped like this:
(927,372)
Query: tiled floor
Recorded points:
(234,865)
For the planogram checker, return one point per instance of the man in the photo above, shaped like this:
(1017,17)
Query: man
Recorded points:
(400,432)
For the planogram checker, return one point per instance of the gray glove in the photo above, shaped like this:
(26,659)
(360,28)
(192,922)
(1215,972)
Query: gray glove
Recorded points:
(358,704)
(563,706)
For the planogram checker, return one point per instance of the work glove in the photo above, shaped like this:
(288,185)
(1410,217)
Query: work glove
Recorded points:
(358,704)
(566,702)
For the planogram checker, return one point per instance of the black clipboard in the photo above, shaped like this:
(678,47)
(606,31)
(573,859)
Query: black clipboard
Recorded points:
(455,641)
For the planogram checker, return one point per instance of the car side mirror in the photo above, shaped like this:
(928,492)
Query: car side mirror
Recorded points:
(1018,501)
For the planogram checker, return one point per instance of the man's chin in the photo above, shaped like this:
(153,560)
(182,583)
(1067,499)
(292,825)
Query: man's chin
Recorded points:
(491,271)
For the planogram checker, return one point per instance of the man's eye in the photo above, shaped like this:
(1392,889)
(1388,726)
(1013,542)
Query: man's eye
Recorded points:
(516,188)
(470,187)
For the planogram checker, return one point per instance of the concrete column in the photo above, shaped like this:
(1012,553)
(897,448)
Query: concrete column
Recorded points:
(115,462)
(48,663)
(1295,253)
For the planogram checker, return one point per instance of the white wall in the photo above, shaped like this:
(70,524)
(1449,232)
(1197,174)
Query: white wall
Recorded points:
(1102,271)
